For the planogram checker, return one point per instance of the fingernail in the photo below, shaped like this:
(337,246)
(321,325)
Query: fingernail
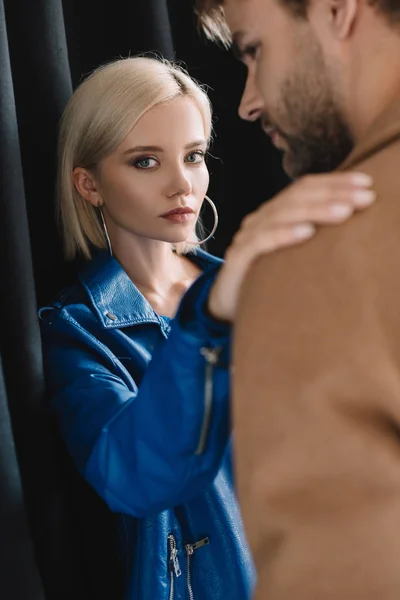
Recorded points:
(364,197)
(362,179)
(303,231)
(341,210)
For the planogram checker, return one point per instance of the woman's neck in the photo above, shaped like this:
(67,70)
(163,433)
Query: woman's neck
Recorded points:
(158,272)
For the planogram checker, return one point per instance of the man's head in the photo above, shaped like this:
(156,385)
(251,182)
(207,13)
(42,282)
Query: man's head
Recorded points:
(303,57)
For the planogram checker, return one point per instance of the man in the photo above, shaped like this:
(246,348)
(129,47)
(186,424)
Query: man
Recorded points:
(317,347)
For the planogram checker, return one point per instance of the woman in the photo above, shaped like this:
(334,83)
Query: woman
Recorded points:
(137,351)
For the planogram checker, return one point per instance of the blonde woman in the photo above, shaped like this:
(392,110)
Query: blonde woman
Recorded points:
(137,351)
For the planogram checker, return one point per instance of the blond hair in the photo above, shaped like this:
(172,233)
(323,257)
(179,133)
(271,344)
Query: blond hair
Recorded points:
(98,117)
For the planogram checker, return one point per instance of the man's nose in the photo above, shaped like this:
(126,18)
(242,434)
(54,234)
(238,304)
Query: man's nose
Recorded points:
(251,105)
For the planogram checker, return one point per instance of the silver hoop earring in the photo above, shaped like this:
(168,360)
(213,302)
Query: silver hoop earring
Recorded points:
(210,235)
(105,231)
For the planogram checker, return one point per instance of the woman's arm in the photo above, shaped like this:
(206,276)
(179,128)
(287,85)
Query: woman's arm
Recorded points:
(151,448)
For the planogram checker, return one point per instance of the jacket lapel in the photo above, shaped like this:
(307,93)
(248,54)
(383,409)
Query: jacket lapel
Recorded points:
(114,297)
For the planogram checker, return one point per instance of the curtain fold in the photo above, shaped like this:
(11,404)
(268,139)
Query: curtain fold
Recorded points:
(45,490)
(19,576)
(42,86)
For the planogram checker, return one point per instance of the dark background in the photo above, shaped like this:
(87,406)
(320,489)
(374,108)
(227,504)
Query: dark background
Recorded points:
(55,535)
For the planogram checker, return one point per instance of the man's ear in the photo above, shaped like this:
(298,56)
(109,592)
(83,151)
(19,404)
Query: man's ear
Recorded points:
(85,185)
(343,15)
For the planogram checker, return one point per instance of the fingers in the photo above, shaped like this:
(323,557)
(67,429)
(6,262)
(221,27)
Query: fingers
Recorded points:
(335,209)
(267,240)
(283,237)
(320,199)
(336,181)
(334,188)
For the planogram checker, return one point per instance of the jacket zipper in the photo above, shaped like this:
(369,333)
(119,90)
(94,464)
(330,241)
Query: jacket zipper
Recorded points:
(211,356)
(190,550)
(174,567)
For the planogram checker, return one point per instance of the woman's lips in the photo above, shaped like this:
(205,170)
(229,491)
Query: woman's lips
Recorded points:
(179,215)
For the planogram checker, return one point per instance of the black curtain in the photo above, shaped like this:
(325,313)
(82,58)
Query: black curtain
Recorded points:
(55,534)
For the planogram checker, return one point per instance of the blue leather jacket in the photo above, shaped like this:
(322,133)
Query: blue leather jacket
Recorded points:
(142,402)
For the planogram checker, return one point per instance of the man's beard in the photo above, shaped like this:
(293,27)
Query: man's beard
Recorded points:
(316,136)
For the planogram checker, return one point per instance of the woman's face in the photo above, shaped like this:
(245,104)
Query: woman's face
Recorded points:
(158,168)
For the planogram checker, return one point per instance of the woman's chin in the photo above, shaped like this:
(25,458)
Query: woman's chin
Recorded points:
(181,237)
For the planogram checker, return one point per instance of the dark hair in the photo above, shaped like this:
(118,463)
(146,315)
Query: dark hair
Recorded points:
(212,19)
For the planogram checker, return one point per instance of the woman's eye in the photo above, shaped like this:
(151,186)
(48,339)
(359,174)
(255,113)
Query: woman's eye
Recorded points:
(145,163)
(195,157)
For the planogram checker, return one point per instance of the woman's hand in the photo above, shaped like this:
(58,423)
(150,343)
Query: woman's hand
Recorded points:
(286,220)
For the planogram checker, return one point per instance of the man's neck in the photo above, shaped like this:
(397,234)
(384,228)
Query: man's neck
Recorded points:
(374,83)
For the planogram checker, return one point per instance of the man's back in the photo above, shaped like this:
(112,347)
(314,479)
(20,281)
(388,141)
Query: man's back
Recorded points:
(317,400)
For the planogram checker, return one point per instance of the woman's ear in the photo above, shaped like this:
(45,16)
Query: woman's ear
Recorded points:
(86,186)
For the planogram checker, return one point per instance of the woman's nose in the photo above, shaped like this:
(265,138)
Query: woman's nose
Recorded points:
(180,184)
(251,105)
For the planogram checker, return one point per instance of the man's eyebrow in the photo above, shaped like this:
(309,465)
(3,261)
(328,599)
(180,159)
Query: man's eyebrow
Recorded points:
(201,142)
(237,43)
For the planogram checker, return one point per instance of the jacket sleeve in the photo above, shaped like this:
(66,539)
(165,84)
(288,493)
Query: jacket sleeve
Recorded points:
(146,449)
(316,405)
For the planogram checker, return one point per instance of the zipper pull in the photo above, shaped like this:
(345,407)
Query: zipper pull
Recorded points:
(174,556)
(211,355)
(175,564)
(190,548)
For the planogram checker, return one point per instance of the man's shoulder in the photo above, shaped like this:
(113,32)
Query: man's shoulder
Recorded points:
(367,243)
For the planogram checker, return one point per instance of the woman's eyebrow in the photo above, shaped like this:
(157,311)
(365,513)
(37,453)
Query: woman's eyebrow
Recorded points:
(144,149)
(201,142)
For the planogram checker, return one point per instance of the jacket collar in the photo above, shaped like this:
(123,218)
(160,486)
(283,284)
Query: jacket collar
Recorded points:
(115,299)
(383,131)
